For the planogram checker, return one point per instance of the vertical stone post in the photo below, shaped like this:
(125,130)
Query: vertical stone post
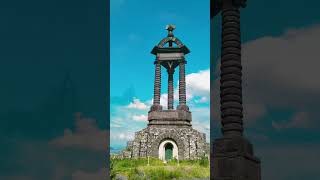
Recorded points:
(230,80)
(233,156)
(182,87)
(170,88)
(157,87)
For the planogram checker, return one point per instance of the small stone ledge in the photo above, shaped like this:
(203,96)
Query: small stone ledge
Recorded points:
(172,115)
(167,123)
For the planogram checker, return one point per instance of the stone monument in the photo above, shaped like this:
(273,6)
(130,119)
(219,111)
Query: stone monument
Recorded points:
(169,134)
(233,157)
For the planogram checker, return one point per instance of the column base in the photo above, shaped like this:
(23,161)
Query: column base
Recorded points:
(156,107)
(233,159)
(183,107)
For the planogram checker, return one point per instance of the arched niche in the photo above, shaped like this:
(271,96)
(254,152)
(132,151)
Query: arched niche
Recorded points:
(164,148)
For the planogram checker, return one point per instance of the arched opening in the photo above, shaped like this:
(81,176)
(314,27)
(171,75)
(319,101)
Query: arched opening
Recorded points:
(168,151)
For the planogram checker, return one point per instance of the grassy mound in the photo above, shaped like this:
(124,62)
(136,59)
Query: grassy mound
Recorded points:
(138,169)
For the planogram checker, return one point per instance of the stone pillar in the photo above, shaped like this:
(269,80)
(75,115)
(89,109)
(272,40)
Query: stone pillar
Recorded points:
(182,87)
(170,88)
(157,88)
(230,80)
(233,156)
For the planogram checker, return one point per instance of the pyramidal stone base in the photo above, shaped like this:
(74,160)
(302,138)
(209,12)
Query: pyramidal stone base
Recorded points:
(233,159)
(168,126)
(190,143)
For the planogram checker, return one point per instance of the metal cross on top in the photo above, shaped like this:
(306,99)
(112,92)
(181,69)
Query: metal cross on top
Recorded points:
(170,28)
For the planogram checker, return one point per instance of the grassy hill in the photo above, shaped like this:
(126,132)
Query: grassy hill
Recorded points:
(138,169)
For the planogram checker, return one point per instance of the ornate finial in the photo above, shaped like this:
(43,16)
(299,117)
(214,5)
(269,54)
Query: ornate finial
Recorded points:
(170,28)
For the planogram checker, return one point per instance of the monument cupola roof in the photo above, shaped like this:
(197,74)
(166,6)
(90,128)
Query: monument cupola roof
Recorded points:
(170,40)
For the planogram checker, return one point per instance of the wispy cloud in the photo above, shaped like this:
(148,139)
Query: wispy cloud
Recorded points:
(278,73)
(122,135)
(142,118)
(299,120)
(198,84)
(87,135)
(137,104)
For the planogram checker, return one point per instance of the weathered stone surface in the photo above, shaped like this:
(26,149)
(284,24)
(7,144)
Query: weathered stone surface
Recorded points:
(191,143)
(234,157)
(126,154)
(170,117)
(121,177)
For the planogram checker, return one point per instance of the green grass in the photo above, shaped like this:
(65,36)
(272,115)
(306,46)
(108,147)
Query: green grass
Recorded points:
(138,169)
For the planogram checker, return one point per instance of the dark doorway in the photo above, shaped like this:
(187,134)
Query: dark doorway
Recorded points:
(168,151)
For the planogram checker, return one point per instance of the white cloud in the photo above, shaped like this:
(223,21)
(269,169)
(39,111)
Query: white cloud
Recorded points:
(299,120)
(142,118)
(202,128)
(280,72)
(198,84)
(121,135)
(201,120)
(164,100)
(115,125)
(137,104)
(202,100)
(86,135)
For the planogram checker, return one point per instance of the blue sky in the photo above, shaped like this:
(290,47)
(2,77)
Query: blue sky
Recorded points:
(136,27)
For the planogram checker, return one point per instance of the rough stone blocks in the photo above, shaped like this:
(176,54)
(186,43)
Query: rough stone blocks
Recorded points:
(233,159)
(191,143)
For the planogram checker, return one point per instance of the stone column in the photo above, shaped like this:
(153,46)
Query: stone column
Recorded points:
(157,87)
(182,87)
(170,88)
(233,156)
(230,80)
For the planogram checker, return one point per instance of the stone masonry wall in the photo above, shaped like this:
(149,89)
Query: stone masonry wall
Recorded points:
(191,143)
